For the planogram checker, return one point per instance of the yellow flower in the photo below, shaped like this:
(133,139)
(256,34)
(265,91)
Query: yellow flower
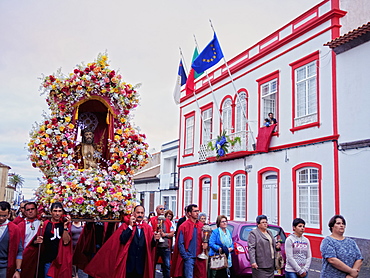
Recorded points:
(99,189)
(115,166)
(123,120)
(48,186)
(71,126)
(64,155)
(119,131)
(61,128)
(49,191)
(42,128)
(52,201)
(121,161)
(42,153)
(117,137)
(67,119)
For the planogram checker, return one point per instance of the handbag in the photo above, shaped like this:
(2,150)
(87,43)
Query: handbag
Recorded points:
(218,262)
(279,261)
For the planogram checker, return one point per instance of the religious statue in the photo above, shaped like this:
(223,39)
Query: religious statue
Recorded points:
(87,153)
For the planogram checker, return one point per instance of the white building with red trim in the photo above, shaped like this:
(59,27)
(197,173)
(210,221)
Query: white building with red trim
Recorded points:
(293,75)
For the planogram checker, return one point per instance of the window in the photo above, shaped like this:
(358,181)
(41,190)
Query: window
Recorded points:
(305,92)
(189,134)
(173,204)
(240,198)
(269,92)
(308,196)
(227,116)
(268,89)
(188,192)
(206,125)
(241,112)
(166,201)
(225,196)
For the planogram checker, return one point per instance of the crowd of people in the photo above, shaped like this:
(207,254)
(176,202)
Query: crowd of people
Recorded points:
(58,247)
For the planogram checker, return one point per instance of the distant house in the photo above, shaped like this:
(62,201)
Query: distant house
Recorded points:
(169,176)
(4,170)
(320,100)
(146,181)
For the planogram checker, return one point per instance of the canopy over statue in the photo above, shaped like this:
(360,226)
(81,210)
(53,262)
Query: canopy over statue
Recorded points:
(86,147)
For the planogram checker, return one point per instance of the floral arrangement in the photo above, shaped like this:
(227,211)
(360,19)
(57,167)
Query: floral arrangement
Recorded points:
(222,144)
(99,192)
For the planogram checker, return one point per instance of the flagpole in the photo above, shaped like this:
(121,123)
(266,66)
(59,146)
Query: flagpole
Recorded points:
(236,92)
(210,85)
(196,99)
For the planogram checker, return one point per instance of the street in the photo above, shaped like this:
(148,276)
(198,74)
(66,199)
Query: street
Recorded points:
(314,271)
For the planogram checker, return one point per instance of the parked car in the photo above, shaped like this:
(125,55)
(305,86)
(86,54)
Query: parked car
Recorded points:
(240,257)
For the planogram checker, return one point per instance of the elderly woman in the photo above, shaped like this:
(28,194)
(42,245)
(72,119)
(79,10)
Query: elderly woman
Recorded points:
(341,256)
(221,242)
(262,249)
(202,217)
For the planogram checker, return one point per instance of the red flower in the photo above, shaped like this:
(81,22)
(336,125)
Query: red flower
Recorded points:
(52,78)
(111,74)
(76,71)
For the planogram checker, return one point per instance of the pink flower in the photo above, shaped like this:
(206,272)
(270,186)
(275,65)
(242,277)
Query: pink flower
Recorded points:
(100,208)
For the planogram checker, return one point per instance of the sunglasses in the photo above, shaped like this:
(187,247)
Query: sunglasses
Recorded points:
(161,208)
(30,209)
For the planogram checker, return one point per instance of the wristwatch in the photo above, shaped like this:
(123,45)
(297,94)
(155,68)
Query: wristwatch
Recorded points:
(18,270)
(66,229)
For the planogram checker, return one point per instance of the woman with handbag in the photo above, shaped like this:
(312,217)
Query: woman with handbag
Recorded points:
(220,242)
(262,249)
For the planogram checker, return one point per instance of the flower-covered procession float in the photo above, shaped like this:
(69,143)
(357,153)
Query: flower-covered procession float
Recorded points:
(86,147)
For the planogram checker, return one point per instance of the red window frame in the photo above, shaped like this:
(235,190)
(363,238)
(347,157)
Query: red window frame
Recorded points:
(261,81)
(297,64)
(295,202)
(187,116)
(202,109)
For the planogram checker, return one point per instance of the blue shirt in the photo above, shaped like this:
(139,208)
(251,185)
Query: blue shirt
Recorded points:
(345,250)
(191,252)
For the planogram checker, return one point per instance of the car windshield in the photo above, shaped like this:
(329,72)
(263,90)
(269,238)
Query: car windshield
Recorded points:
(230,227)
(276,231)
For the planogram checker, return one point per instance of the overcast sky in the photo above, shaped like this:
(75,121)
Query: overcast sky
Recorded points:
(142,39)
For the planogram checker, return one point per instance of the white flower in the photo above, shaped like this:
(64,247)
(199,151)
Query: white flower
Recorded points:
(49,131)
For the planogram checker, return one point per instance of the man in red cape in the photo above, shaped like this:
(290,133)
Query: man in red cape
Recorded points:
(10,244)
(30,228)
(21,215)
(57,229)
(116,259)
(163,248)
(185,262)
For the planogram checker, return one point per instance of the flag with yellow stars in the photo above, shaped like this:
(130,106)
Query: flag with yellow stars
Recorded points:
(209,57)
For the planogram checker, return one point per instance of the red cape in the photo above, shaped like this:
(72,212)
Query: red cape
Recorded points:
(86,247)
(18,220)
(14,240)
(177,267)
(154,223)
(110,261)
(61,267)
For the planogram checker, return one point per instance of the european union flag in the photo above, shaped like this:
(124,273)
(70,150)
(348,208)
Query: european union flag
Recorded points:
(209,57)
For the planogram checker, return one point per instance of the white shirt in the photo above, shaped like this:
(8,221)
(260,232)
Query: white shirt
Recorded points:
(3,227)
(31,232)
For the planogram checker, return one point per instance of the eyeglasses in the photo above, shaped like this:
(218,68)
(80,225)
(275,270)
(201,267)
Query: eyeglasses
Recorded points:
(224,221)
(161,208)
(30,209)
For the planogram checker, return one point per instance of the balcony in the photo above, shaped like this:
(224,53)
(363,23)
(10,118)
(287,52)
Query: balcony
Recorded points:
(205,152)
(168,181)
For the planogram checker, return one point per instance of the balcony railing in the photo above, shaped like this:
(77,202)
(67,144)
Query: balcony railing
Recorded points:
(205,151)
(168,181)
